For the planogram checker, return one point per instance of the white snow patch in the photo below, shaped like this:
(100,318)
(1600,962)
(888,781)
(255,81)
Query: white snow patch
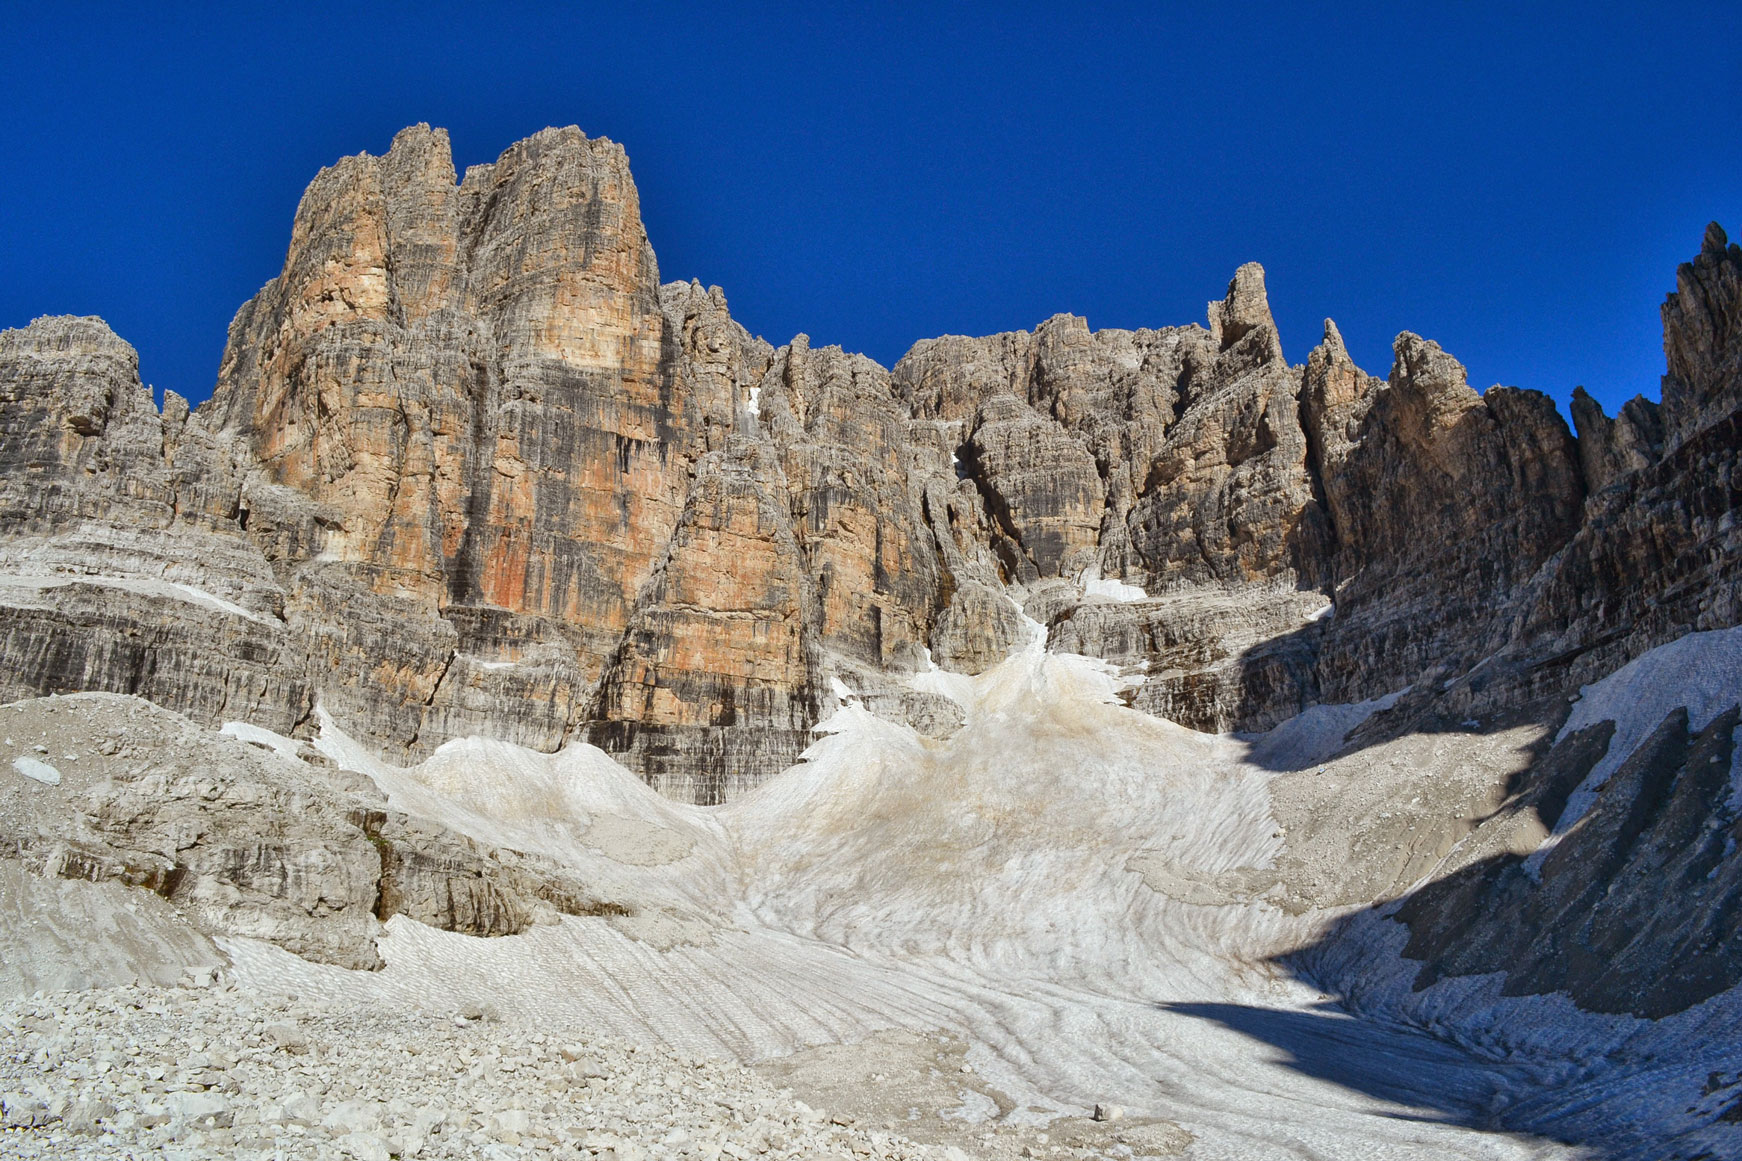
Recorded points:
(1324,614)
(1095,585)
(1315,735)
(843,693)
(958,687)
(1702,671)
(976,1108)
(754,404)
(248,732)
(37,771)
(145,586)
(578,806)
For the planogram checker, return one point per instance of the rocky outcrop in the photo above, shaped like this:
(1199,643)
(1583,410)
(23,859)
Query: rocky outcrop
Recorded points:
(1702,339)
(1040,487)
(113,575)
(1656,554)
(1239,660)
(1228,498)
(1656,557)
(716,681)
(243,840)
(470,469)
(82,437)
(1594,920)
(978,629)
(722,363)
(853,486)
(1496,477)
(475,387)
(1171,460)
(1612,448)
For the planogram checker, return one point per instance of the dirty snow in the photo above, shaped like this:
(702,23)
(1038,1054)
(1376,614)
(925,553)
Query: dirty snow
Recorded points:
(998,887)
(1095,585)
(1702,671)
(260,736)
(1315,734)
(1081,896)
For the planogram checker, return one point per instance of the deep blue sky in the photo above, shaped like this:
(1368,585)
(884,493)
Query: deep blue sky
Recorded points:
(1518,185)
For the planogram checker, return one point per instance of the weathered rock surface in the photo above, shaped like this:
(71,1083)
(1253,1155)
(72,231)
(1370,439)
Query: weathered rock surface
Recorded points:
(1242,660)
(1040,487)
(1611,448)
(477,383)
(715,682)
(1702,339)
(113,575)
(1594,921)
(979,629)
(1228,498)
(1495,477)
(470,469)
(1170,460)
(243,841)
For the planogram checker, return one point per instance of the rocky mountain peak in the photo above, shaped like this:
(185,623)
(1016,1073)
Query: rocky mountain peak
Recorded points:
(1612,448)
(1715,240)
(1702,339)
(1245,309)
(470,469)
(1332,384)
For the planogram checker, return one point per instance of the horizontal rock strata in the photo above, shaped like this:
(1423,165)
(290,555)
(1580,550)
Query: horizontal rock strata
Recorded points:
(241,840)
(470,469)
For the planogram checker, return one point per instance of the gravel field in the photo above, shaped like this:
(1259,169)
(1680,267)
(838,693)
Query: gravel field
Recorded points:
(200,1072)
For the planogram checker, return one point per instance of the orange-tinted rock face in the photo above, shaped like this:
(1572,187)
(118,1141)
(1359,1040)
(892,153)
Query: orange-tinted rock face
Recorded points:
(480,410)
(471,470)
(715,680)
(475,385)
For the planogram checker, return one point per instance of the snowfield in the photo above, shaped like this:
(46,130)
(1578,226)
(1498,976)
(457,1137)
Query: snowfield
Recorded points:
(939,948)
(1085,897)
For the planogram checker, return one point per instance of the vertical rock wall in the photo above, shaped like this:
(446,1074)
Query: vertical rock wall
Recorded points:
(470,469)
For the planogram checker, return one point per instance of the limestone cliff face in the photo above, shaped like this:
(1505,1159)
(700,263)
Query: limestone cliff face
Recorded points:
(1228,498)
(1702,338)
(82,437)
(1173,461)
(1166,458)
(475,386)
(1495,477)
(470,469)
(843,443)
(110,574)
(716,681)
